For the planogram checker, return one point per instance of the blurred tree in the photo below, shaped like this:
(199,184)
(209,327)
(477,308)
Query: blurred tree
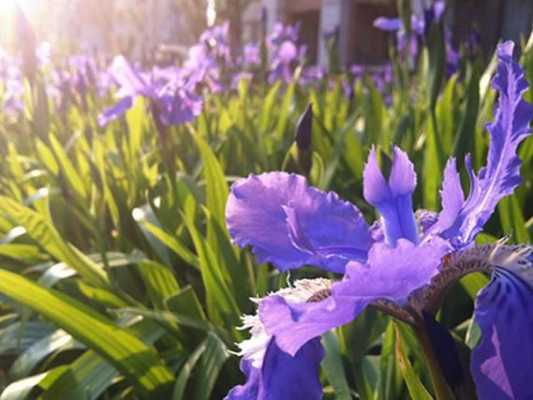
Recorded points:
(232,11)
(195,16)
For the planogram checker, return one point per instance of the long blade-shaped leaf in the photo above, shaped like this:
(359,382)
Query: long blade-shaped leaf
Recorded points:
(40,229)
(123,350)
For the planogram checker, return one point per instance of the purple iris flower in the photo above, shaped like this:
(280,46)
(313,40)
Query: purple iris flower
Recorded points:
(285,53)
(173,101)
(201,67)
(240,76)
(13,96)
(381,75)
(251,54)
(401,264)
(407,42)
(453,57)
(312,75)
(217,39)
(281,33)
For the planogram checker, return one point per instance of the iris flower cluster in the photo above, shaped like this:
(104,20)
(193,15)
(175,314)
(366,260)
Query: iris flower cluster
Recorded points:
(285,52)
(407,41)
(171,100)
(400,264)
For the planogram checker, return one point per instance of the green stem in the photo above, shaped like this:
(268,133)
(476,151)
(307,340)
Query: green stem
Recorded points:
(441,388)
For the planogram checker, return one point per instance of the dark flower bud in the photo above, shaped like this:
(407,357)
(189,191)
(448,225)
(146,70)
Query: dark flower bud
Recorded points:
(304,129)
(445,351)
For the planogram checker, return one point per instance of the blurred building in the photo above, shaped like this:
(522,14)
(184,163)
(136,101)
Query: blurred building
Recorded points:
(349,22)
(492,20)
(360,43)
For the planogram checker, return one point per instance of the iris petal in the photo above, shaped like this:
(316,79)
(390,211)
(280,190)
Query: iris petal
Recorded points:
(463,220)
(388,24)
(293,325)
(115,111)
(393,199)
(291,224)
(501,361)
(283,377)
(391,273)
(292,378)
(130,81)
(250,390)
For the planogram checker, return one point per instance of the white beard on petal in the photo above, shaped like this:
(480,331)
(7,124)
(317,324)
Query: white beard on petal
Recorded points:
(303,291)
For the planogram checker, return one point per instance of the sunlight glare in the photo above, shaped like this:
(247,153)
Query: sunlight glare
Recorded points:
(7,7)
(211,13)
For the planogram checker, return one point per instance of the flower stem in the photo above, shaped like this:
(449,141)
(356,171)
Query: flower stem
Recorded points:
(441,388)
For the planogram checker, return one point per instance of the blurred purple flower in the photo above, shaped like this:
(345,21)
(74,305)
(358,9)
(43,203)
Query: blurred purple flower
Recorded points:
(13,97)
(407,42)
(174,103)
(201,68)
(216,40)
(251,54)
(312,75)
(285,53)
(388,24)
(358,71)
(240,76)
(281,33)
(402,264)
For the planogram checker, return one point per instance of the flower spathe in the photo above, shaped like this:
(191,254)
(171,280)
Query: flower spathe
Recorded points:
(401,259)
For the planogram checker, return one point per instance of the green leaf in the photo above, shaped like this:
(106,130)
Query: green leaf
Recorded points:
(464,140)
(390,378)
(22,252)
(187,303)
(167,320)
(56,341)
(221,304)
(159,281)
(333,367)
(21,389)
(473,283)
(46,156)
(285,110)
(268,105)
(185,371)
(126,352)
(212,361)
(512,219)
(40,229)
(90,372)
(414,386)
(74,180)
(172,243)
(216,187)
(19,336)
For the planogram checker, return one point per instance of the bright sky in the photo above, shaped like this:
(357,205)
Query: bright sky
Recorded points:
(31,8)
(7,6)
